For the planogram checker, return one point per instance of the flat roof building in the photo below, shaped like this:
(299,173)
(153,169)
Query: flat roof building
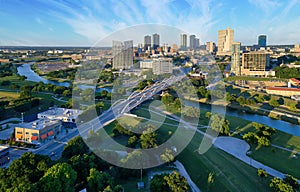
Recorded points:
(255,63)
(225,40)
(4,155)
(162,66)
(63,114)
(283,91)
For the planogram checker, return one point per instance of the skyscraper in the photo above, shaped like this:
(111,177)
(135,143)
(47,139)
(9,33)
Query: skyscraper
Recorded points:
(155,41)
(192,41)
(235,59)
(225,40)
(262,40)
(197,43)
(122,54)
(183,41)
(210,47)
(147,42)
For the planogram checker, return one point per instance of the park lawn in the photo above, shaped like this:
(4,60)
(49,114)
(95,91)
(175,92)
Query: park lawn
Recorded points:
(15,80)
(130,184)
(9,94)
(230,173)
(278,159)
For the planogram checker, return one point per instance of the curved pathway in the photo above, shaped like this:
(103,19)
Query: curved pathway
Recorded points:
(238,148)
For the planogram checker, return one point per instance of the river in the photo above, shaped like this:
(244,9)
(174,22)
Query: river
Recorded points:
(26,70)
(274,123)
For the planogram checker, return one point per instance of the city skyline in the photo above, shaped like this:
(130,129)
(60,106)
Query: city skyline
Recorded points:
(60,23)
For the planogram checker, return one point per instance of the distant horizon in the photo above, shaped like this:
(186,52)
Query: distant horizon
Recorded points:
(65,23)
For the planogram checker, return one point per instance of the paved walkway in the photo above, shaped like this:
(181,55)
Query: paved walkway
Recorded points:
(238,148)
(184,173)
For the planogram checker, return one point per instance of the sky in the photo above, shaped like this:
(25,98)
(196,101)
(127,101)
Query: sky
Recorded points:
(86,22)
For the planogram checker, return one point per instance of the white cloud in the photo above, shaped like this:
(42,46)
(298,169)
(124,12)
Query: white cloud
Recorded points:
(266,5)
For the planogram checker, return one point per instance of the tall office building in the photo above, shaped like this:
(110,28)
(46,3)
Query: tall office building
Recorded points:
(262,41)
(192,42)
(155,41)
(197,42)
(225,40)
(122,54)
(255,63)
(210,47)
(235,58)
(147,42)
(183,41)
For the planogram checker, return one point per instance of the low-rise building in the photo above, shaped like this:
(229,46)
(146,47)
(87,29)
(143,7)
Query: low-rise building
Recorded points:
(4,155)
(146,64)
(67,116)
(38,131)
(283,91)
(294,81)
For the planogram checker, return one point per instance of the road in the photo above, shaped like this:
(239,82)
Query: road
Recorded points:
(117,110)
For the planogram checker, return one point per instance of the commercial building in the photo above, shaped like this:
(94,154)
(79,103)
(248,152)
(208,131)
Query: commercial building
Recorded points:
(162,66)
(283,91)
(68,117)
(225,40)
(147,43)
(255,63)
(262,40)
(235,59)
(122,54)
(4,155)
(192,42)
(155,41)
(183,42)
(210,47)
(38,131)
(146,64)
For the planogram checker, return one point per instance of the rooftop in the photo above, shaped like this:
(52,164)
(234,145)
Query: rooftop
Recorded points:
(54,112)
(39,124)
(3,147)
(283,89)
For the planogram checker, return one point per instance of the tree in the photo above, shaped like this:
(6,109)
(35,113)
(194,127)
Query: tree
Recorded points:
(292,181)
(75,146)
(60,177)
(167,156)
(167,99)
(191,112)
(210,179)
(250,137)
(176,182)
(220,124)
(262,173)
(132,141)
(273,102)
(98,181)
(158,184)
(278,184)
(66,93)
(148,138)
(208,114)
(263,141)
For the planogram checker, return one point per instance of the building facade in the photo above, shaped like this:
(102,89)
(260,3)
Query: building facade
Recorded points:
(210,47)
(147,43)
(155,41)
(262,41)
(283,91)
(225,40)
(255,63)
(183,41)
(122,54)
(235,59)
(37,131)
(192,42)
(162,66)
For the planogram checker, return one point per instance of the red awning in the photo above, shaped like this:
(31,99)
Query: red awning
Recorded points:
(50,133)
(34,138)
(44,136)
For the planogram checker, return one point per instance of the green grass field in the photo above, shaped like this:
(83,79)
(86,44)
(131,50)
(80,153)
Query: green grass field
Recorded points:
(8,95)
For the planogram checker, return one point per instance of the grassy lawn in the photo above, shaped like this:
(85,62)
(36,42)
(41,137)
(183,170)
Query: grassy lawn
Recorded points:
(230,173)
(8,94)
(15,80)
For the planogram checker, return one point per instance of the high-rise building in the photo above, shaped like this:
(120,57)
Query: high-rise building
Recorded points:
(235,59)
(192,42)
(262,41)
(225,40)
(210,47)
(197,42)
(122,54)
(155,41)
(147,42)
(183,41)
(255,63)
(165,48)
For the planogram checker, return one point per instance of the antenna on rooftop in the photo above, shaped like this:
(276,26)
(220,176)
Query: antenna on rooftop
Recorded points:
(22,117)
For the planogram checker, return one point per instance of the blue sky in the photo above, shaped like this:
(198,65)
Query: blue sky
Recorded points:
(84,22)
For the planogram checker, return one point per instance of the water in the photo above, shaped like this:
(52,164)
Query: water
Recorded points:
(274,123)
(26,70)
